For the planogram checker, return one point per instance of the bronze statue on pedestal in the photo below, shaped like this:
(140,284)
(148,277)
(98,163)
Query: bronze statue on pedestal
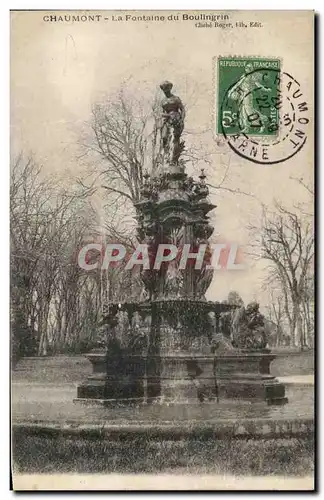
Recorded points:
(173,114)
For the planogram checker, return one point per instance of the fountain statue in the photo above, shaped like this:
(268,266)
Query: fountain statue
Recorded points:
(173,115)
(187,351)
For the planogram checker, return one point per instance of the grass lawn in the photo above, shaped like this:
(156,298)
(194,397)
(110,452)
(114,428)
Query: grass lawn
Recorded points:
(290,457)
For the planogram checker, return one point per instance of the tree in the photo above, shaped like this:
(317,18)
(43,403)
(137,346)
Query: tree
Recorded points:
(52,301)
(276,319)
(286,241)
(125,137)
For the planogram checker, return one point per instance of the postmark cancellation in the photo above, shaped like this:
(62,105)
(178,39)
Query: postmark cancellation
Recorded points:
(261,110)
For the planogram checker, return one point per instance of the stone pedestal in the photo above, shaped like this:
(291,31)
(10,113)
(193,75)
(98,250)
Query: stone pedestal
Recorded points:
(183,379)
(188,378)
(122,379)
(246,376)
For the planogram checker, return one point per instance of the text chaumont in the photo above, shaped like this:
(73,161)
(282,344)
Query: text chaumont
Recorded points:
(54,18)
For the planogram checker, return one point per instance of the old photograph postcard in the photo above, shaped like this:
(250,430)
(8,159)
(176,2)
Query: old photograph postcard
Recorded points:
(162,250)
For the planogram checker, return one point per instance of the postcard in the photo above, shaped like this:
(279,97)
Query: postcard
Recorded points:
(162,250)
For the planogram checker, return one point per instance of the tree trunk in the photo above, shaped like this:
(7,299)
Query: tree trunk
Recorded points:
(299,326)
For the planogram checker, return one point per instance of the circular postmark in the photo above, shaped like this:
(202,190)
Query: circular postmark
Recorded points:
(266,116)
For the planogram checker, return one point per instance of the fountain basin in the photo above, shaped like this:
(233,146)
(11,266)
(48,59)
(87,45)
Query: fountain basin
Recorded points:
(183,377)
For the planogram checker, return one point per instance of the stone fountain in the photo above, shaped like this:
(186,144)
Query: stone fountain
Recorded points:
(188,352)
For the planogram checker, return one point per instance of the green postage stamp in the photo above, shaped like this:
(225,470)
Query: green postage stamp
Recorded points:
(248,97)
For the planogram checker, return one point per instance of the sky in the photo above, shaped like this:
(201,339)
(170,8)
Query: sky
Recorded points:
(60,69)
